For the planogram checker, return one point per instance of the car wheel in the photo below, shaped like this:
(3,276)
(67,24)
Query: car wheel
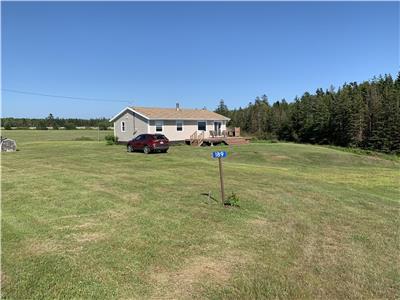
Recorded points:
(146,150)
(164,151)
(130,148)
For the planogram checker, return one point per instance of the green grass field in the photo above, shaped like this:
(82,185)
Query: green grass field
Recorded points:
(25,136)
(81,219)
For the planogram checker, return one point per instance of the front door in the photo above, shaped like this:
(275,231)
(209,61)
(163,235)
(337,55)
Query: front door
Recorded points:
(217,128)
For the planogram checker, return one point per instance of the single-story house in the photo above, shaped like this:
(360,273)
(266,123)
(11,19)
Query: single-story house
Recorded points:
(177,124)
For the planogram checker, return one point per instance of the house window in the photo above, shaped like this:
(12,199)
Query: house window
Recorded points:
(201,125)
(179,125)
(123,126)
(159,125)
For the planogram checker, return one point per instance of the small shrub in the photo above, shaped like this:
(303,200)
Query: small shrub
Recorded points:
(7,126)
(111,139)
(102,127)
(232,200)
(70,127)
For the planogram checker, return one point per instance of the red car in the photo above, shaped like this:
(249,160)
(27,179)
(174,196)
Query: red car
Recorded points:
(149,143)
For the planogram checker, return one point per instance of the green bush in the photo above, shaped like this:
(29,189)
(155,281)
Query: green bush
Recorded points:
(232,200)
(70,127)
(111,139)
(102,127)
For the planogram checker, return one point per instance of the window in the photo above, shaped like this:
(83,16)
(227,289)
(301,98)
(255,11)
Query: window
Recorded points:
(123,126)
(139,137)
(201,125)
(159,137)
(179,125)
(159,126)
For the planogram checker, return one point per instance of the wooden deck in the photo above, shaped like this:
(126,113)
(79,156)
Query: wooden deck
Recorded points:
(212,141)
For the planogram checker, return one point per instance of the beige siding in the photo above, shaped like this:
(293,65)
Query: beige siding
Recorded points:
(134,125)
(140,124)
(189,127)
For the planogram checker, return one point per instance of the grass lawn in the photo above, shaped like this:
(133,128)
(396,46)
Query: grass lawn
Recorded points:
(81,219)
(25,136)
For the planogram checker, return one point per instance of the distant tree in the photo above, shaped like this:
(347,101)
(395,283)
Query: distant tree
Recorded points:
(70,125)
(42,125)
(222,108)
(50,120)
(7,126)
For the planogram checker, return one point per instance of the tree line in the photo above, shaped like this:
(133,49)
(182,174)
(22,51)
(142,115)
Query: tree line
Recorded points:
(55,123)
(365,115)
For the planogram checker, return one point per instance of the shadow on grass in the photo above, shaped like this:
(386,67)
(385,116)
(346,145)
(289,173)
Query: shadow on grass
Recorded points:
(209,196)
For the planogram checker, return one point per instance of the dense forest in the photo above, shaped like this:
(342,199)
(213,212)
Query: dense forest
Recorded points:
(365,115)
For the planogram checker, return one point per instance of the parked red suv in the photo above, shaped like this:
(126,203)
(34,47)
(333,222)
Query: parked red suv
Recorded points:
(149,143)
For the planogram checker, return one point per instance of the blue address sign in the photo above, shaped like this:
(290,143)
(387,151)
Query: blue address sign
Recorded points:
(219,154)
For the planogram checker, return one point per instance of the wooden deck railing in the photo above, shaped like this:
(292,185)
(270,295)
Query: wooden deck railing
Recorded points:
(193,138)
(200,138)
(197,139)
(227,137)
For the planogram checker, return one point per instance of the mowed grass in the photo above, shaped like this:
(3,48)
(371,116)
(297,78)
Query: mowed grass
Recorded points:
(39,136)
(87,220)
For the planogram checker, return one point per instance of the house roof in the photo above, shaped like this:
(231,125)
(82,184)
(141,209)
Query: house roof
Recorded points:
(152,113)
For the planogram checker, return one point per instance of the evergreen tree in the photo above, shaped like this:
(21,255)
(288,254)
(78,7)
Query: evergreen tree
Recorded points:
(222,108)
(365,115)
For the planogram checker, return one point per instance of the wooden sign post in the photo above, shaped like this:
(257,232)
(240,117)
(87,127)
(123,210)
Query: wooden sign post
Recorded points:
(219,155)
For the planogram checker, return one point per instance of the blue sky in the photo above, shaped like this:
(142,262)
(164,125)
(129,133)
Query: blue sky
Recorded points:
(155,54)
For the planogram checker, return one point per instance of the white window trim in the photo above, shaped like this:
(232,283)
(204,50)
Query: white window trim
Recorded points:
(123,126)
(159,122)
(180,121)
(127,109)
(198,125)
